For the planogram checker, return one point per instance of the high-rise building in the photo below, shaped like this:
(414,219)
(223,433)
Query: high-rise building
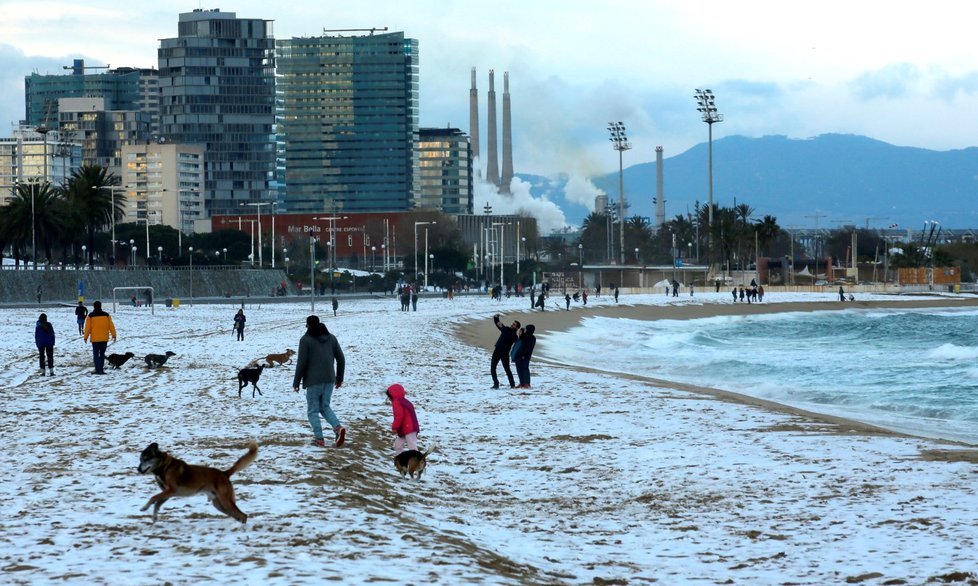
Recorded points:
(101,129)
(217,89)
(164,184)
(348,122)
(126,88)
(445,170)
(31,156)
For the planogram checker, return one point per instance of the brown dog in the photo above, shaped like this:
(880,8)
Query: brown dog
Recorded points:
(177,478)
(281,359)
(411,462)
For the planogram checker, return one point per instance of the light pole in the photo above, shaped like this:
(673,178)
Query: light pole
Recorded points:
(225,251)
(706,105)
(191,251)
(132,251)
(159,249)
(637,260)
(429,268)
(312,272)
(580,266)
(416,224)
(373,256)
(426,258)
(620,143)
(502,255)
(85,258)
(518,240)
(258,205)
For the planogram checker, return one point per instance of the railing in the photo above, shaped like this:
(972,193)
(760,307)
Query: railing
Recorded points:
(23,267)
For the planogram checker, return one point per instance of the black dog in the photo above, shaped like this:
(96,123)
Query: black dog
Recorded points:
(250,375)
(157,360)
(117,360)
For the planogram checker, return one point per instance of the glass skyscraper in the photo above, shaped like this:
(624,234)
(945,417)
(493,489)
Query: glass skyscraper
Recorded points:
(347,122)
(217,89)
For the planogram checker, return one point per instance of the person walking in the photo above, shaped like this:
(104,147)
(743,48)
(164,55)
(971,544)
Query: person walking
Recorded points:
(239,325)
(541,301)
(336,305)
(44,338)
(527,342)
(500,353)
(616,294)
(567,300)
(81,312)
(842,294)
(405,425)
(99,328)
(414,298)
(314,371)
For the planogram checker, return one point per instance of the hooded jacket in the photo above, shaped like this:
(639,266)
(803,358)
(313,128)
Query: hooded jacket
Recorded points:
(527,342)
(43,334)
(99,326)
(405,420)
(507,335)
(318,349)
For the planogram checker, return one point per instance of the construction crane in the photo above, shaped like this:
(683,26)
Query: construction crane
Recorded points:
(354,30)
(86,67)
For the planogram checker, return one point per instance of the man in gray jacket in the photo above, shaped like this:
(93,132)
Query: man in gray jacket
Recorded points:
(318,349)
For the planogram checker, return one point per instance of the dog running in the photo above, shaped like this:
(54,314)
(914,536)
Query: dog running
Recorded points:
(250,375)
(411,462)
(117,360)
(157,360)
(177,478)
(281,359)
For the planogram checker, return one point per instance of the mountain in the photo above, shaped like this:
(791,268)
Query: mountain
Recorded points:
(841,179)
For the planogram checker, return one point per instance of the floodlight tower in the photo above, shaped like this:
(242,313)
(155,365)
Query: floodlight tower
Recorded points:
(706,105)
(620,143)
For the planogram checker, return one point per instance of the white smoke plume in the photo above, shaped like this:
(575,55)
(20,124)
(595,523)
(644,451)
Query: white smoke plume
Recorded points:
(549,217)
(579,189)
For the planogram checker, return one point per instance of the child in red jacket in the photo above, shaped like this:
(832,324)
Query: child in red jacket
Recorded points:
(405,421)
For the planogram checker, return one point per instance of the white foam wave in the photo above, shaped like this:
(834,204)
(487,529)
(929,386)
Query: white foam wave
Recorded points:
(953,352)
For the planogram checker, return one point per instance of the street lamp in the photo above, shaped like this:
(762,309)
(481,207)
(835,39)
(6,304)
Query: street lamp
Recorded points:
(159,249)
(225,251)
(502,255)
(191,250)
(373,255)
(580,266)
(416,224)
(428,266)
(84,258)
(112,189)
(312,272)
(706,105)
(637,261)
(620,143)
(132,251)
(259,204)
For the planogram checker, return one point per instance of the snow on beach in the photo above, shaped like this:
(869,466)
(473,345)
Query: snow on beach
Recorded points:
(585,478)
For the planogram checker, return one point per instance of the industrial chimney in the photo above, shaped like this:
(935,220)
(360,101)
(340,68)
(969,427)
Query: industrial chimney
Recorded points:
(660,197)
(474,117)
(492,167)
(507,177)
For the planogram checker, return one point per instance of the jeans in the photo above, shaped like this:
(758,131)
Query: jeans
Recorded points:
(98,355)
(497,357)
(523,370)
(317,402)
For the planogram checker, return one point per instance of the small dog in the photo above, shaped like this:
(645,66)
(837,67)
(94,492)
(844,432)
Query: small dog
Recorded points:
(117,360)
(411,462)
(282,358)
(250,375)
(177,478)
(157,360)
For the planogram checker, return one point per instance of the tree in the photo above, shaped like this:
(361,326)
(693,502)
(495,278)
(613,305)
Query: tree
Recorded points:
(87,196)
(767,231)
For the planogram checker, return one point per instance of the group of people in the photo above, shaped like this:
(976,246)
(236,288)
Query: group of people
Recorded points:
(753,293)
(514,342)
(96,326)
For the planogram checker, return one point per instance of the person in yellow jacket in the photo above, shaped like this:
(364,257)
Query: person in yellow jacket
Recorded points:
(98,328)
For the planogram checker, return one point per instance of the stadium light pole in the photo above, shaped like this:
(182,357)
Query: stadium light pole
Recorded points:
(190,251)
(416,224)
(620,143)
(706,106)
(258,205)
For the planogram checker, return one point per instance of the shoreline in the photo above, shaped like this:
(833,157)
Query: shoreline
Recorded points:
(482,334)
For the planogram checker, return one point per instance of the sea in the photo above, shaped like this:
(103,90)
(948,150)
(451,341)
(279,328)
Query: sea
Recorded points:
(909,370)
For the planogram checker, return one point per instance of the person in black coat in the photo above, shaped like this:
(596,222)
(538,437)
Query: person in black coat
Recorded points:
(44,338)
(507,335)
(523,353)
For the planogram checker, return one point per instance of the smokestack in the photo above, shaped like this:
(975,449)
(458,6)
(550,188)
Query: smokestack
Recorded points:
(660,197)
(492,168)
(474,117)
(507,177)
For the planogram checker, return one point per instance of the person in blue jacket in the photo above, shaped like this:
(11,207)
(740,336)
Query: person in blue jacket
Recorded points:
(521,357)
(44,338)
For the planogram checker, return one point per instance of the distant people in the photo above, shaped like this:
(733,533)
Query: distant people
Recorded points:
(734,293)
(99,328)
(542,300)
(405,425)
(690,289)
(336,305)
(675,288)
(742,294)
(239,325)
(718,285)
(842,294)
(38,294)
(521,357)
(414,299)
(616,294)
(584,296)
(44,338)
(760,293)
(567,299)
(81,312)
(500,352)
(597,290)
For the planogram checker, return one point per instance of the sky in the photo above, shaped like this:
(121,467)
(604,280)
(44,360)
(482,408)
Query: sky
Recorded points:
(894,71)
(587,477)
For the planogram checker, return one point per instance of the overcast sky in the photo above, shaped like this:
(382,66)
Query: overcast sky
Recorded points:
(901,72)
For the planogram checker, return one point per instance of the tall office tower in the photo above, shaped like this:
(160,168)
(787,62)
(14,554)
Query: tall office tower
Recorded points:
(30,156)
(492,166)
(474,117)
(217,89)
(164,183)
(445,171)
(348,122)
(507,176)
(126,88)
(102,129)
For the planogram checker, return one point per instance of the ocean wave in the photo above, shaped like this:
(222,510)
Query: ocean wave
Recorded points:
(953,352)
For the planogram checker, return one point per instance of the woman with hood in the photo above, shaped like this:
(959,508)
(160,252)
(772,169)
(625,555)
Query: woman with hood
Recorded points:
(405,424)
(522,357)
(44,338)
(318,350)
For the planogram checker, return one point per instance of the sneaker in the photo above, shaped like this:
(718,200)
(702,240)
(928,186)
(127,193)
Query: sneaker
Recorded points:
(495,386)
(42,372)
(51,372)
(340,436)
(319,442)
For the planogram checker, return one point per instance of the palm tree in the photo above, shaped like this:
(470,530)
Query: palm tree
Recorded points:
(767,230)
(87,196)
(32,216)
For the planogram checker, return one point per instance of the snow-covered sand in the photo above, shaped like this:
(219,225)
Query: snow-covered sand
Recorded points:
(586,478)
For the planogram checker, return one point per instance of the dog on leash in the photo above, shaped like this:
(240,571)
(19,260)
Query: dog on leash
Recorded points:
(177,478)
(281,359)
(411,462)
(157,360)
(250,375)
(117,360)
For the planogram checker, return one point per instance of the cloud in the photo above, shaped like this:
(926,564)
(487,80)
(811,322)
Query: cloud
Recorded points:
(892,81)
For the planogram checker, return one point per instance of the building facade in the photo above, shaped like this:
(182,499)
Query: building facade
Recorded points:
(217,89)
(101,130)
(444,170)
(23,157)
(164,184)
(348,122)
